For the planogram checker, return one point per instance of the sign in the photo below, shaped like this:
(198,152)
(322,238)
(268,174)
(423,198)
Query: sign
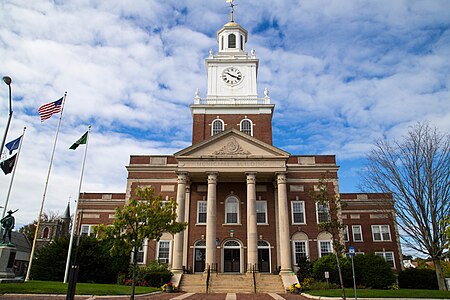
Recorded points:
(327,274)
(351,251)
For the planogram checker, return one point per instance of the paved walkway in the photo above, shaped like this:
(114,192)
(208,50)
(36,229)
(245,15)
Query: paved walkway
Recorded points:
(163,296)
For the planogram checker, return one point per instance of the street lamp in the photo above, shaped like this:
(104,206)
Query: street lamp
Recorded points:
(8,81)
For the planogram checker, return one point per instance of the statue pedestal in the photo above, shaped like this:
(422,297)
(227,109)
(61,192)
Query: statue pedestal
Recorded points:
(7,257)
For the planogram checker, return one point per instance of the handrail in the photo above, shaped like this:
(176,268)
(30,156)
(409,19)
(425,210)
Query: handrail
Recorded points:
(254,278)
(252,101)
(208,275)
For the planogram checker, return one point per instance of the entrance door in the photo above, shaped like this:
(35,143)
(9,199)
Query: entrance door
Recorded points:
(231,260)
(199,264)
(263,261)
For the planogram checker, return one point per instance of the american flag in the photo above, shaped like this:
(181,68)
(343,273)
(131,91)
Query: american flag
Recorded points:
(47,110)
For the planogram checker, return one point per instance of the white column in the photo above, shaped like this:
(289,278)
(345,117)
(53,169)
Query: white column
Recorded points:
(252,229)
(177,263)
(210,260)
(285,252)
(186,218)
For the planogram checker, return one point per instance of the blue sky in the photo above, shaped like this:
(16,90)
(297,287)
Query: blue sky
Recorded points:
(341,74)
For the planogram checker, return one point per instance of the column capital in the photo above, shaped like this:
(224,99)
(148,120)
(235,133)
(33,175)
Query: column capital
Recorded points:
(182,177)
(212,177)
(251,177)
(281,177)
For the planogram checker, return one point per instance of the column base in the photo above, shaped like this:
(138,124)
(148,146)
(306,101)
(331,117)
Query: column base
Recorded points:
(177,271)
(212,268)
(250,268)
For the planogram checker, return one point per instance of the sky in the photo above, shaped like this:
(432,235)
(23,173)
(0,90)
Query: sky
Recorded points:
(340,73)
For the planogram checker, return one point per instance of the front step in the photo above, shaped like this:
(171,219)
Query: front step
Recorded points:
(236,283)
(193,283)
(266,283)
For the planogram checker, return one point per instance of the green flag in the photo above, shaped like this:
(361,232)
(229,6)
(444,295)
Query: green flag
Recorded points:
(82,140)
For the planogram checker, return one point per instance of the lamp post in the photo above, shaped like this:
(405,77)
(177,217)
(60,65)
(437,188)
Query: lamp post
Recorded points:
(8,81)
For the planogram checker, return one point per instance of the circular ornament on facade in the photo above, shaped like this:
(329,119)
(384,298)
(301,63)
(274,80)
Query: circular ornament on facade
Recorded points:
(232,76)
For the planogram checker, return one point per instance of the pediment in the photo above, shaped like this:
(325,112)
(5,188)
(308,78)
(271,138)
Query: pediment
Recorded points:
(231,144)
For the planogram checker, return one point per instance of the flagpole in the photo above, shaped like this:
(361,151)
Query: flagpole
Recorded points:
(74,222)
(27,278)
(13,173)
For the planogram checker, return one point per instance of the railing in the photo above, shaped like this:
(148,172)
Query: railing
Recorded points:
(254,278)
(208,275)
(265,100)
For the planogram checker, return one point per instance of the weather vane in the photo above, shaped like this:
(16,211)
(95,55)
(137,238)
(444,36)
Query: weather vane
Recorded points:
(232,9)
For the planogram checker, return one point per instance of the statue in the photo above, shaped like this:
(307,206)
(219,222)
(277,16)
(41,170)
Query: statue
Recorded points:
(8,223)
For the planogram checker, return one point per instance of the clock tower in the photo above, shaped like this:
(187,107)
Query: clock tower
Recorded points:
(231,98)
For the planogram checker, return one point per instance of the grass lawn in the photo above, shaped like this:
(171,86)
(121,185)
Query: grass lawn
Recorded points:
(368,293)
(53,287)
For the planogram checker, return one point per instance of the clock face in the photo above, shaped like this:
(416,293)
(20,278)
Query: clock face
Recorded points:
(232,76)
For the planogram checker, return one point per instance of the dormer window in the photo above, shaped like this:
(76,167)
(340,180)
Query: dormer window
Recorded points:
(247,127)
(217,126)
(231,40)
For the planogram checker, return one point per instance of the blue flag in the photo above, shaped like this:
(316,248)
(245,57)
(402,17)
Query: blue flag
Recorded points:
(13,145)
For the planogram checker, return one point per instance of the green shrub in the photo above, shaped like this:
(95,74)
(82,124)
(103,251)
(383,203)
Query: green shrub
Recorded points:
(320,285)
(372,271)
(305,268)
(328,263)
(418,279)
(155,274)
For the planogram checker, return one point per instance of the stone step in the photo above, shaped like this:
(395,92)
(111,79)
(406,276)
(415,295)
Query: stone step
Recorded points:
(192,283)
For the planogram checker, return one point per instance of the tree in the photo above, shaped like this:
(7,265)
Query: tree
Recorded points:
(329,200)
(95,262)
(146,217)
(416,171)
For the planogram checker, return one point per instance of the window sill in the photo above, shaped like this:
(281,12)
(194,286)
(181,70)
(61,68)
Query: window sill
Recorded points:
(295,224)
(232,224)
(262,224)
(200,224)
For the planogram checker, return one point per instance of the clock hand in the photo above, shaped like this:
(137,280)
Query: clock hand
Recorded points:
(232,75)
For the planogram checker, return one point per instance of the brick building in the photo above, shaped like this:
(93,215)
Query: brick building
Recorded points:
(247,202)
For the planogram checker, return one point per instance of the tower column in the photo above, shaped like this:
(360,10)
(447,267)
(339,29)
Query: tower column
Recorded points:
(285,255)
(252,228)
(177,263)
(210,260)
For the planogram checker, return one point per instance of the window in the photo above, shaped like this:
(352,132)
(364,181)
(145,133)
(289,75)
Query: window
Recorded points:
(221,44)
(242,43)
(87,230)
(45,233)
(163,251)
(231,210)
(357,233)
(141,254)
(345,232)
(246,127)
(261,212)
(217,126)
(232,40)
(322,212)
(388,256)
(299,251)
(381,233)
(298,212)
(201,212)
(325,248)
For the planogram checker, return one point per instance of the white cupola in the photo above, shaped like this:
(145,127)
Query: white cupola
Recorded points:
(232,38)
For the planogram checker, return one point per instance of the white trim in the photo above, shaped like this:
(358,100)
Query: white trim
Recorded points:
(383,254)
(238,217)
(193,255)
(360,232)
(294,257)
(270,254)
(317,211)
(265,212)
(90,231)
(251,125)
(169,259)
(319,248)
(241,254)
(381,233)
(198,211)
(292,212)
(212,126)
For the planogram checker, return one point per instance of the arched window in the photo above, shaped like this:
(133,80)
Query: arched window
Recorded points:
(246,127)
(217,126)
(242,43)
(231,40)
(221,43)
(45,233)
(232,210)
